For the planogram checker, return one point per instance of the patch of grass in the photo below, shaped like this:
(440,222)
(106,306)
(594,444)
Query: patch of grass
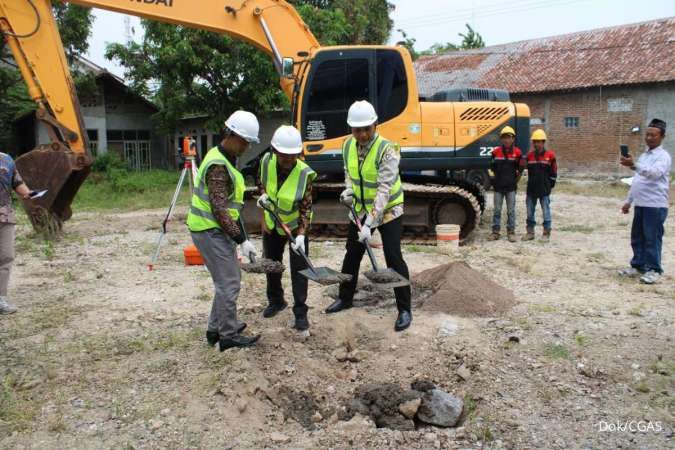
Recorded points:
(613,189)
(578,228)
(48,249)
(16,407)
(128,191)
(523,323)
(429,249)
(204,296)
(581,340)
(557,351)
(542,308)
(636,310)
(642,387)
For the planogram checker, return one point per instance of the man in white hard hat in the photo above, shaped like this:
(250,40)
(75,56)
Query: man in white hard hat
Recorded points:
(216,228)
(373,186)
(285,184)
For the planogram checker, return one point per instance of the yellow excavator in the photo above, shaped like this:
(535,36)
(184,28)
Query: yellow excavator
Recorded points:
(449,133)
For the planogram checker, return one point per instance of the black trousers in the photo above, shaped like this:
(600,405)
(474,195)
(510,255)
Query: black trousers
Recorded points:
(273,248)
(391,241)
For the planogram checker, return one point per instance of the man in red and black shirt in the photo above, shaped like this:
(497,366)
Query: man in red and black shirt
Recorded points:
(506,167)
(542,173)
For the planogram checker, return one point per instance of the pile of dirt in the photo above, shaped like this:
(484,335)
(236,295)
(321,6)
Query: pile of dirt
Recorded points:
(381,403)
(263,265)
(298,405)
(460,290)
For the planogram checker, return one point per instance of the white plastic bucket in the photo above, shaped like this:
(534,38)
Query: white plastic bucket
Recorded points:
(447,236)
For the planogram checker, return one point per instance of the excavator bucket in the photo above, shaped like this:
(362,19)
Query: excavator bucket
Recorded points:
(61,172)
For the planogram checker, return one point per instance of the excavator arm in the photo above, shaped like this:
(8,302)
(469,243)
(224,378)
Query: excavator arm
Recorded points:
(30,31)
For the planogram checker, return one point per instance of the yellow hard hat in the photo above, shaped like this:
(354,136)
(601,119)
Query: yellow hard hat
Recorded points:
(538,135)
(507,130)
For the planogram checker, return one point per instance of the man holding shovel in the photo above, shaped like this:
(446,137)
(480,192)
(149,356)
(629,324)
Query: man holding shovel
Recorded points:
(373,186)
(285,185)
(216,228)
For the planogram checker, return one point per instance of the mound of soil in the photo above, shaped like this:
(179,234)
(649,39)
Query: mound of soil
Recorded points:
(459,290)
(381,402)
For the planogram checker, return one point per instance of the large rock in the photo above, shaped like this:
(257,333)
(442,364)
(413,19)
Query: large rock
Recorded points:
(409,408)
(440,408)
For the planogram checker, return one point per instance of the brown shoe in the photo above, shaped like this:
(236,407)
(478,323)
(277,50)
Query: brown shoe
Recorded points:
(494,236)
(547,235)
(512,236)
(529,236)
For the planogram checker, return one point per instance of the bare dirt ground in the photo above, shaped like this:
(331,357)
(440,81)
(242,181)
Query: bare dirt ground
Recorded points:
(106,354)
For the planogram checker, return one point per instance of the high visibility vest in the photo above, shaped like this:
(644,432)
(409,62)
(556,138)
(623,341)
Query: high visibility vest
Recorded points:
(201,216)
(288,197)
(364,176)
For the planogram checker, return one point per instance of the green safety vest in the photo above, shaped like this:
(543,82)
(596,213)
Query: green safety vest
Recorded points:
(364,177)
(201,216)
(287,198)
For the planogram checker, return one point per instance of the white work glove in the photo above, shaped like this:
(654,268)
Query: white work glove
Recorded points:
(263,201)
(347,197)
(299,245)
(248,250)
(365,234)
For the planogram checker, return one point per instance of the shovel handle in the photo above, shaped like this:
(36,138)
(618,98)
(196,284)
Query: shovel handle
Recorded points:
(368,249)
(289,236)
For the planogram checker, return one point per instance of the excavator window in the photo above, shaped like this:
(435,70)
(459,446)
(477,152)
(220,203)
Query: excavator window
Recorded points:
(338,78)
(392,85)
(335,85)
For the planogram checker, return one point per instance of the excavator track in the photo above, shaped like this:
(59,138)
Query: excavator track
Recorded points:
(425,207)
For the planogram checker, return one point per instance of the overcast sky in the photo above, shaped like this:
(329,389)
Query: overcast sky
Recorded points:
(431,21)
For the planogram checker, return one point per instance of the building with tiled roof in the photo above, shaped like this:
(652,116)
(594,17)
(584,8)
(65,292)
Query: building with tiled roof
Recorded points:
(587,90)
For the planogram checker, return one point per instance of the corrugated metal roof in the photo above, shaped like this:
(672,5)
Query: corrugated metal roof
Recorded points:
(628,54)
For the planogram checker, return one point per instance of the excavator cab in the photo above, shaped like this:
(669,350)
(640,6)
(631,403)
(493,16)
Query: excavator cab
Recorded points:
(340,76)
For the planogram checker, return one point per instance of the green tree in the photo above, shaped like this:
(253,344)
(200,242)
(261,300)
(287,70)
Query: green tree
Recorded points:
(187,71)
(470,39)
(74,23)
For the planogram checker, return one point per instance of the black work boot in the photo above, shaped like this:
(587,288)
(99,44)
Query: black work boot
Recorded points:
(403,320)
(212,337)
(301,323)
(237,340)
(273,309)
(337,306)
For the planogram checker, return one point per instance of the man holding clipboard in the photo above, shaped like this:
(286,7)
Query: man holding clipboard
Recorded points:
(10,180)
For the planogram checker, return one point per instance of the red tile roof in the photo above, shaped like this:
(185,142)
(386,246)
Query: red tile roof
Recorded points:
(628,54)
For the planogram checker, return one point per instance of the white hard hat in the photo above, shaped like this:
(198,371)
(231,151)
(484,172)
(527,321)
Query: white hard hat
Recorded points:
(245,125)
(361,114)
(287,140)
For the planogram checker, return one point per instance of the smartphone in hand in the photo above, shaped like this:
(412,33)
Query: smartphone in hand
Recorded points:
(624,150)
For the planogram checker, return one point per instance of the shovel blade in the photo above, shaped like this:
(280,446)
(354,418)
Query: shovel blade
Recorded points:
(387,279)
(325,276)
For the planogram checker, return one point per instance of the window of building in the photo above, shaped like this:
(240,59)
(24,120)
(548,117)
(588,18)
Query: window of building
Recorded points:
(392,85)
(133,146)
(571,122)
(336,84)
(92,136)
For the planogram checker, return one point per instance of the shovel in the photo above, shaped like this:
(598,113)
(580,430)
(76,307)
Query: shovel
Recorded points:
(259,265)
(322,275)
(384,278)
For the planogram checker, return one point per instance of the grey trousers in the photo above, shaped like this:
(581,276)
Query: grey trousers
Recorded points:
(6,255)
(220,257)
